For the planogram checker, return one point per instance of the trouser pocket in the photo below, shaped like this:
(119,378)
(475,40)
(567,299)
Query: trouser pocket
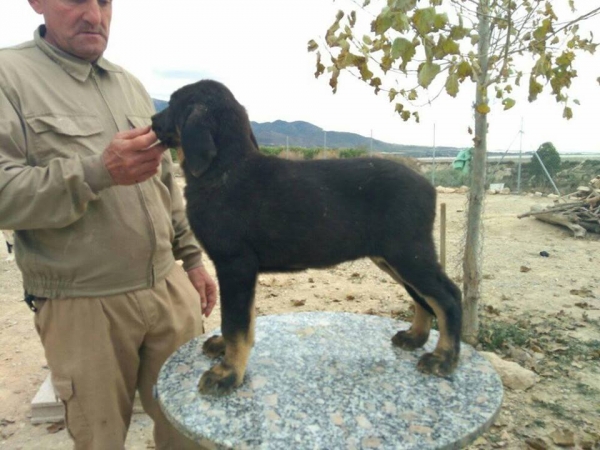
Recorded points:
(75,420)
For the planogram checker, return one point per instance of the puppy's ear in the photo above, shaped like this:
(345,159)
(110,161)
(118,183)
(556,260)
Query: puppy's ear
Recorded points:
(197,143)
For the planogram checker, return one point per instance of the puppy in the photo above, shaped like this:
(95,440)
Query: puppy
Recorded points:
(253,213)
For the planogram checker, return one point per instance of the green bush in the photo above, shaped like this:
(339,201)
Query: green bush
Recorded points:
(551,159)
(173,154)
(271,151)
(449,178)
(352,153)
(306,153)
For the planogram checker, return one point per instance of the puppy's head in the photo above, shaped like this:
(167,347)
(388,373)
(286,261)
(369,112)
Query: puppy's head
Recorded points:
(192,122)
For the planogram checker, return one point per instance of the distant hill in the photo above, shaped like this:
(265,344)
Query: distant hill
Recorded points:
(304,134)
(159,105)
(307,135)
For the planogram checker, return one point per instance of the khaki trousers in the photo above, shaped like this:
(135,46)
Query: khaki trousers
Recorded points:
(100,350)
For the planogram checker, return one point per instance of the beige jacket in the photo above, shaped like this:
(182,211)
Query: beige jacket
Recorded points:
(78,234)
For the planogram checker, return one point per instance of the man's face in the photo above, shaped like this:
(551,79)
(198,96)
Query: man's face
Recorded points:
(78,27)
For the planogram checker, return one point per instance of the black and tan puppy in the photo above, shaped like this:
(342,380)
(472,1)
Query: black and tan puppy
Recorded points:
(254,213)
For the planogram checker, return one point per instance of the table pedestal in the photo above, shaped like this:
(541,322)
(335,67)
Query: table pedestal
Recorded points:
(322,380)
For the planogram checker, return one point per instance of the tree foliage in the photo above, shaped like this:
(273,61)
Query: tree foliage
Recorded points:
(414,47)
(437,40)
(550,158)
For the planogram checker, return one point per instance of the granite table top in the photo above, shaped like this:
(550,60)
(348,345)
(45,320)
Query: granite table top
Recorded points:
(331,380)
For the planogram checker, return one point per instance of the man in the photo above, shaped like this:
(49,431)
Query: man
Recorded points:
(100,223)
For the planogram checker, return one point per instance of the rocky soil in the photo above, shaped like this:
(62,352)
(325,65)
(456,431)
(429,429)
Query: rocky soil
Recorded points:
(540,312)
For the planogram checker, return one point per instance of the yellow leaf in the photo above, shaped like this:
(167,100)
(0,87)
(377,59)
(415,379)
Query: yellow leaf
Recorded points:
(483,108)
(508,103)
(427,72)
(452,85)
(568,113)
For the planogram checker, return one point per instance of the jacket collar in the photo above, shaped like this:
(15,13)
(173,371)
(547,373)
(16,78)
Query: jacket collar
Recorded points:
(76,67)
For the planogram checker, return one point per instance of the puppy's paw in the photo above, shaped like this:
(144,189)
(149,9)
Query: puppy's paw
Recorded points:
(439,364)
(221,379)
(409,340)
(214,346)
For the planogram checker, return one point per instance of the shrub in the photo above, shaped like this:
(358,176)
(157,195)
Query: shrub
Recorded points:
(271,151)
(450,178)
(551,159)
(306,153)
(352,153)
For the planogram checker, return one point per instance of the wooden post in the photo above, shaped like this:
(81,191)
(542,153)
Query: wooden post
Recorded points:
(443,236)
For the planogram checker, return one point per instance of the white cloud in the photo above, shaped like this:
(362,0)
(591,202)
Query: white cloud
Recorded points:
(258,49)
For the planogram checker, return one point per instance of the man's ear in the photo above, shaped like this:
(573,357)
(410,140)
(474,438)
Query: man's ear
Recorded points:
(197,143)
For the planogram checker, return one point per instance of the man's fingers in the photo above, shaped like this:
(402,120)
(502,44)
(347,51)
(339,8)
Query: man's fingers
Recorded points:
(145,172)
(211,299)
(153,154)
(139,139)
(133,133)
(143,142)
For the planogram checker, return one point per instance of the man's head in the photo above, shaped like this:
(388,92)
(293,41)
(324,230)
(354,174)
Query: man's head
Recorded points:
(78,27)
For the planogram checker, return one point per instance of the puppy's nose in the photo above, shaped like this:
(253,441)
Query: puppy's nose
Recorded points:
(156,125)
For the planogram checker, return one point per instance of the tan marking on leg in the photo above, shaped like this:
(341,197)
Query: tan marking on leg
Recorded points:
(180,155)
(421,324)
(444,343)
(238,351)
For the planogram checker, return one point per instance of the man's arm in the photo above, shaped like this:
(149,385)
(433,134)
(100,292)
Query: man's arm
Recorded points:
(57,195)
(41,197)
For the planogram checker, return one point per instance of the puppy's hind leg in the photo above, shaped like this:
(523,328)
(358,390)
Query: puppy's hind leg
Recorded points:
(237,280)
(417,265)
(417,335)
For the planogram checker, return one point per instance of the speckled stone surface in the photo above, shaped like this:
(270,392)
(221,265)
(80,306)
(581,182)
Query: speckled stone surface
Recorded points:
(321,380)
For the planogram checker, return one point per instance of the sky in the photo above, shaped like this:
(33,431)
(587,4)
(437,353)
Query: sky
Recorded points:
(258,48)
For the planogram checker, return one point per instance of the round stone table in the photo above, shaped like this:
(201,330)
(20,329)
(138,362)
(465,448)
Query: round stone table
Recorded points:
(329,380)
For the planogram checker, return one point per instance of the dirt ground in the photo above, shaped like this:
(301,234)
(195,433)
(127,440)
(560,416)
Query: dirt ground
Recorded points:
(542,312)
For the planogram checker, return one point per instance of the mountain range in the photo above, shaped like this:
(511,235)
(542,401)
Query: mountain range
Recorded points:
(307,135)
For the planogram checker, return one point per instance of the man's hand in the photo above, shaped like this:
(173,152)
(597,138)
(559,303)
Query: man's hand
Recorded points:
(131,157)
(206,287)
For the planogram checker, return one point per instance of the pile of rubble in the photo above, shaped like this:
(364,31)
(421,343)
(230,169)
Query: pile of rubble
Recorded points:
(579,211)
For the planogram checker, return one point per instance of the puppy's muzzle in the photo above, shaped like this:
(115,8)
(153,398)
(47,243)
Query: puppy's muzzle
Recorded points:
(168,137)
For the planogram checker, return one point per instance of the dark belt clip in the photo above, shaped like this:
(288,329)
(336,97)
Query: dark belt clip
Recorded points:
(29,300)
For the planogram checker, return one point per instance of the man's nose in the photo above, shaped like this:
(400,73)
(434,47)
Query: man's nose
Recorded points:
(93,13)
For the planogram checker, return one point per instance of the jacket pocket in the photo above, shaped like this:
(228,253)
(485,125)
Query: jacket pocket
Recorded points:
(137,121)
(77,424)
(64,136)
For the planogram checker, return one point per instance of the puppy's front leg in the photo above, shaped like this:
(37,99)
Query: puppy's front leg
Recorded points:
(237,281)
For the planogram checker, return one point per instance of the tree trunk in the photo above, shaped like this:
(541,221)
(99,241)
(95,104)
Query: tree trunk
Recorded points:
(472,261)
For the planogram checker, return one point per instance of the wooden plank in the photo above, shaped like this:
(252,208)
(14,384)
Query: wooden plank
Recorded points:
(46,407)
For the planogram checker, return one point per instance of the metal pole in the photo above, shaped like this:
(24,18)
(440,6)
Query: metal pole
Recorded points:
(433,168)
(324,140)
(519,166)
(443,235)
(547,174)
(371,148)
(287,147)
